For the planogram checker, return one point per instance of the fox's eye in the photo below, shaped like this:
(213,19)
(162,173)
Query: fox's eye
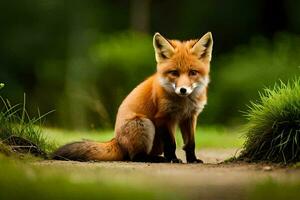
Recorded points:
(174,73)
(193,73)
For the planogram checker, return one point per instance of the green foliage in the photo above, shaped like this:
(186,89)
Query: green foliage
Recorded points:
(273,129)
(121,62)
(129,50)
(237,76)
(20,132)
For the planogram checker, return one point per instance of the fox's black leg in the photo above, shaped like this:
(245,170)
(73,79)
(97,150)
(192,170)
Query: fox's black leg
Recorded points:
(169,144)
(187,128)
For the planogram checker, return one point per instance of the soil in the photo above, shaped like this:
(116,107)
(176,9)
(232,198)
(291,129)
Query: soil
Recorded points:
(211,180)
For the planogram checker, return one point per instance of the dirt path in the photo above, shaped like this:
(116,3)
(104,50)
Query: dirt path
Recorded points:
(206,181)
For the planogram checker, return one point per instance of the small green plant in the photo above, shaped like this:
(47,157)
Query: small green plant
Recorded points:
(273,129)
(20,133)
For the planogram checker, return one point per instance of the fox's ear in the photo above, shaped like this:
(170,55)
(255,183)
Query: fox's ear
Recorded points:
(163,48)
(203,47)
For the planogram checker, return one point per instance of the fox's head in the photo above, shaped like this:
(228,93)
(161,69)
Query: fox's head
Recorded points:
(183,67)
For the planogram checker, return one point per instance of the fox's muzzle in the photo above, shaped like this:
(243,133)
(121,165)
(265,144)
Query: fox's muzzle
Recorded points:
(183,90)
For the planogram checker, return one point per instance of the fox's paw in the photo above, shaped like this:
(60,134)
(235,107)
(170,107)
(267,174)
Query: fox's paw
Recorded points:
(176,160)
(195,161)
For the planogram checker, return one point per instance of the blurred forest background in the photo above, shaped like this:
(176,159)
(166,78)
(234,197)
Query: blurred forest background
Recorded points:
(81,58)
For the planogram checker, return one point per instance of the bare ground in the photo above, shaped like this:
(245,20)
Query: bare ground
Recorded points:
(210,180)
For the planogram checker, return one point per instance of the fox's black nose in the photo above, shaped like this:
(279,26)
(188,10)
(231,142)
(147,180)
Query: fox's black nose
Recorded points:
(182,90)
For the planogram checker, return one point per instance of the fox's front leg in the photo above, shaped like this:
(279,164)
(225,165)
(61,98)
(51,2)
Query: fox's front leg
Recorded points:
(188,127)
(169,143)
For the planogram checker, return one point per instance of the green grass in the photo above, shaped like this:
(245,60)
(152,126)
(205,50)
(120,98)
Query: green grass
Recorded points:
(215,137)
(273,130)
(27,181)
(62,136)
(20,132)
(206,137)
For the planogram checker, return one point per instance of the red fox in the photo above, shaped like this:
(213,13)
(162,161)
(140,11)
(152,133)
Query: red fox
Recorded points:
(147,118)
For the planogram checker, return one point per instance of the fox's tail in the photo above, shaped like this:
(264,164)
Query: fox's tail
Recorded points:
(90,150)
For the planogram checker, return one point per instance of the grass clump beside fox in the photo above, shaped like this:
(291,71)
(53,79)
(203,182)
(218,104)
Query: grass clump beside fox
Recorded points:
(273,129)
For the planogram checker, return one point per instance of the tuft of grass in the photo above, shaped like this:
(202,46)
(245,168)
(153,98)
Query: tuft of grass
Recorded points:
(20,133)
(273,129)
